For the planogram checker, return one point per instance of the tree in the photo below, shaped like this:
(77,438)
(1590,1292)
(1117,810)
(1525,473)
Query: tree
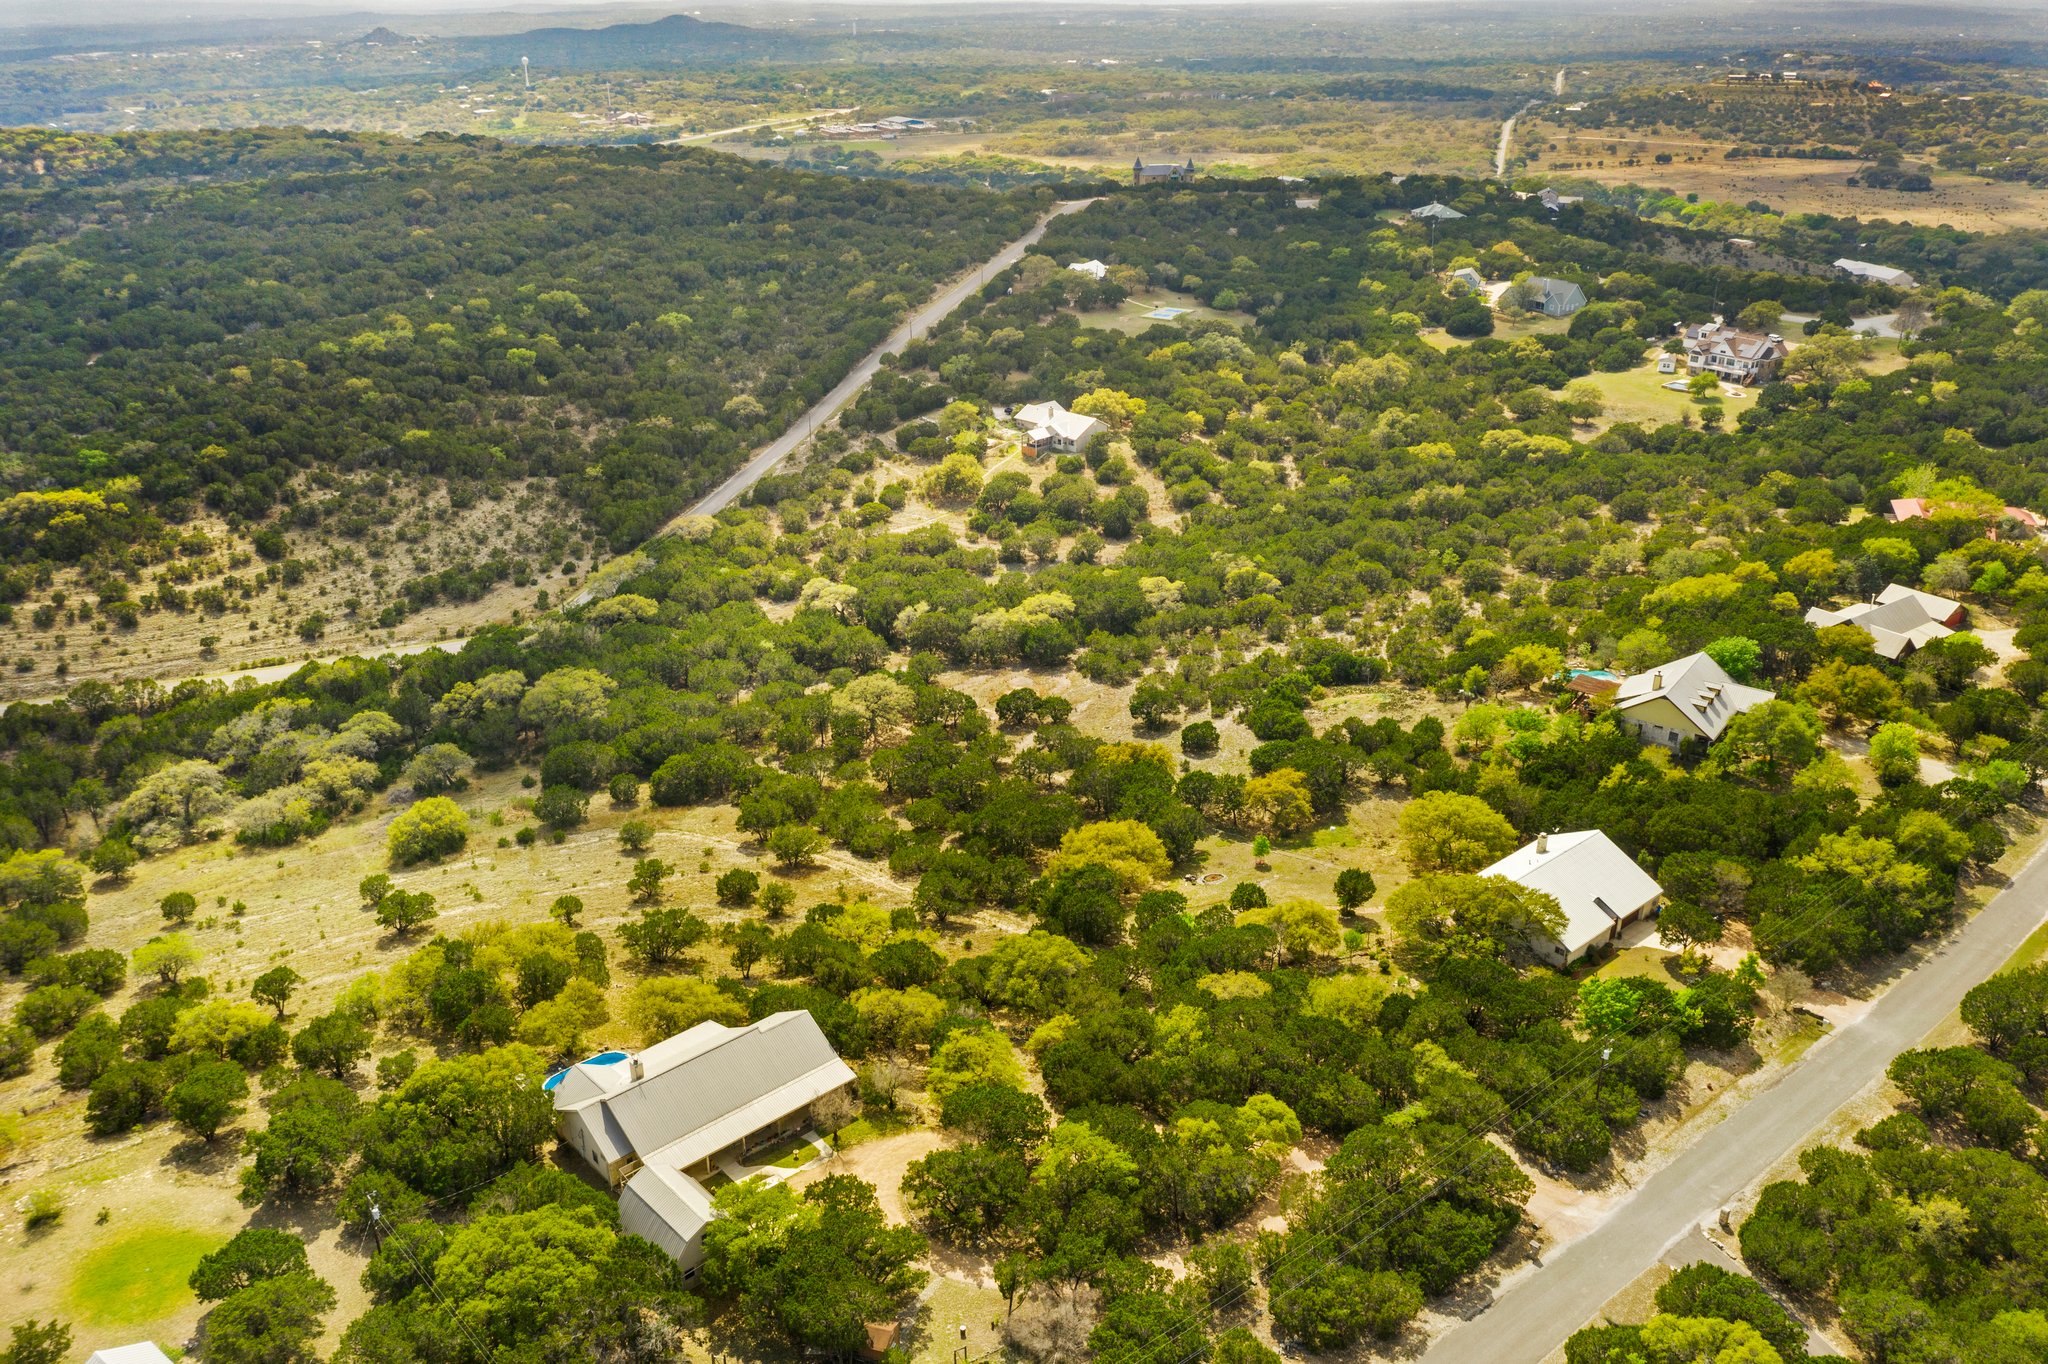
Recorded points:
(795,845)
(313,1129)
(333,1044)
(404,911)
(561,807)
(276,987)
(736,888)
(567,700)
(33,1343)
(636,836)
(646,880)
(1200,739)
(972,1056)
(1304,928)
(1895,754)
(1354,887)
(113,858)
(1127,848)
(565,910)
(251,1256)
(209,1097)
(1472,916)
(1279,801)
(661,935)
(667,1005)
(167,957)
(178,907)
(432,828)
(438,769)
(40,878)
(273,1321)
(1738,656)
(1444,831)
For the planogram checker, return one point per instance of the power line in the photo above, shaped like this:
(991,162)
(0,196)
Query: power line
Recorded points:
(377,1221)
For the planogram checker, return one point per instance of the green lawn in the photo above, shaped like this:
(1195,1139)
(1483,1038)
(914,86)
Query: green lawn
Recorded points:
(1639,395)
(1129,316)
(138,1278)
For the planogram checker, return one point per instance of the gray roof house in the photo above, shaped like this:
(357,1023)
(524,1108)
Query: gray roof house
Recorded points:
(1745,357)
(1468,277)
(1598,886)
(655,1122)
(1898,622)
(1441,212)
(1687,698)
(1145,172)
(1876,274)
(1561,297)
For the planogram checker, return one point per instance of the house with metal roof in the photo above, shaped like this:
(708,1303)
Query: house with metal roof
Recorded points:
(1898,622)
(1094,269)
(656,1122)
(142,1352)
(1145,172)
(1688,698)
(1876,274)
(1443,213)
(1598,886)
(1049,426)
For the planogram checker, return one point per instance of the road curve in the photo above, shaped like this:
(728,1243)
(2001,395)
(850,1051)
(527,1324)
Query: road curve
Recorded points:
(1533,1315)
(924,319)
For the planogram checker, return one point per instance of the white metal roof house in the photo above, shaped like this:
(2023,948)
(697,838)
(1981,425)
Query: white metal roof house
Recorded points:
(658,1120)
(1898,622)
(142,1352)
(1050,426)
(1876,274)
(1443,213)
(1688,698)
(1598,886)
(1094,269)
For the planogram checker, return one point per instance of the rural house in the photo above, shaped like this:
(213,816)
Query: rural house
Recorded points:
(1442,213)
(656,1122)
(1898,622)
(1145,172)
(1468,277)
(143,1352)
(1915,508)
(1688,698)
(1094,269)
(1734,354)
(1048,426)
(1598,886)
(1555,297)
(1876,274)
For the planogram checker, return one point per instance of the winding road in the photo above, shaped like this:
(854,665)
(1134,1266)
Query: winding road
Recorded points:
(1531,1316)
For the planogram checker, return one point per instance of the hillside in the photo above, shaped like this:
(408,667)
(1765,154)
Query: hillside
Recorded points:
(212,419)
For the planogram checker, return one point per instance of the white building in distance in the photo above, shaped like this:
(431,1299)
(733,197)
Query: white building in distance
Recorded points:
(1898,622)
(1049,426)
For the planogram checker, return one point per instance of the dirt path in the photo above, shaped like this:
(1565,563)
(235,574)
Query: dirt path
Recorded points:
(880,1162)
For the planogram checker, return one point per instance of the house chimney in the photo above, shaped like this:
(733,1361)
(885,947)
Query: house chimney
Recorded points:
(639,1072)
(1657,680)
(1542,842)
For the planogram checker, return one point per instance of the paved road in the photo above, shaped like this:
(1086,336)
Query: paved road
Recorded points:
(1533,1315)
(934,312)
(1507,137)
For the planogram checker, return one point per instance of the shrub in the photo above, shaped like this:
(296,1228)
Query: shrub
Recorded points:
(737,887)
(435,827)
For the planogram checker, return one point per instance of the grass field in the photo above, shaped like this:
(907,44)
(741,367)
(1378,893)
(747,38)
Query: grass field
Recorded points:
(138,1278)
(1798,186)
(1639,395)
(1129,317)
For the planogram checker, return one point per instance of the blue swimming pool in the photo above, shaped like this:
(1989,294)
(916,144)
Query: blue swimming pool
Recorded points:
(603,1058)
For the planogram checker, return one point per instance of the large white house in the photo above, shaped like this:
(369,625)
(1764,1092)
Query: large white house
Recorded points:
(1688,698)
(1598,886)
(1898,622)
(1094,269)
(656,1122)
(1877,274)
(1048,426)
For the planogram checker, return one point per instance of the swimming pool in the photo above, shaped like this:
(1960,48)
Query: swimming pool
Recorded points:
(603,1058)
(1166,314)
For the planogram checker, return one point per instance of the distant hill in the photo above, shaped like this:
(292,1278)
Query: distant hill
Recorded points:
(384,37)
(677,38)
